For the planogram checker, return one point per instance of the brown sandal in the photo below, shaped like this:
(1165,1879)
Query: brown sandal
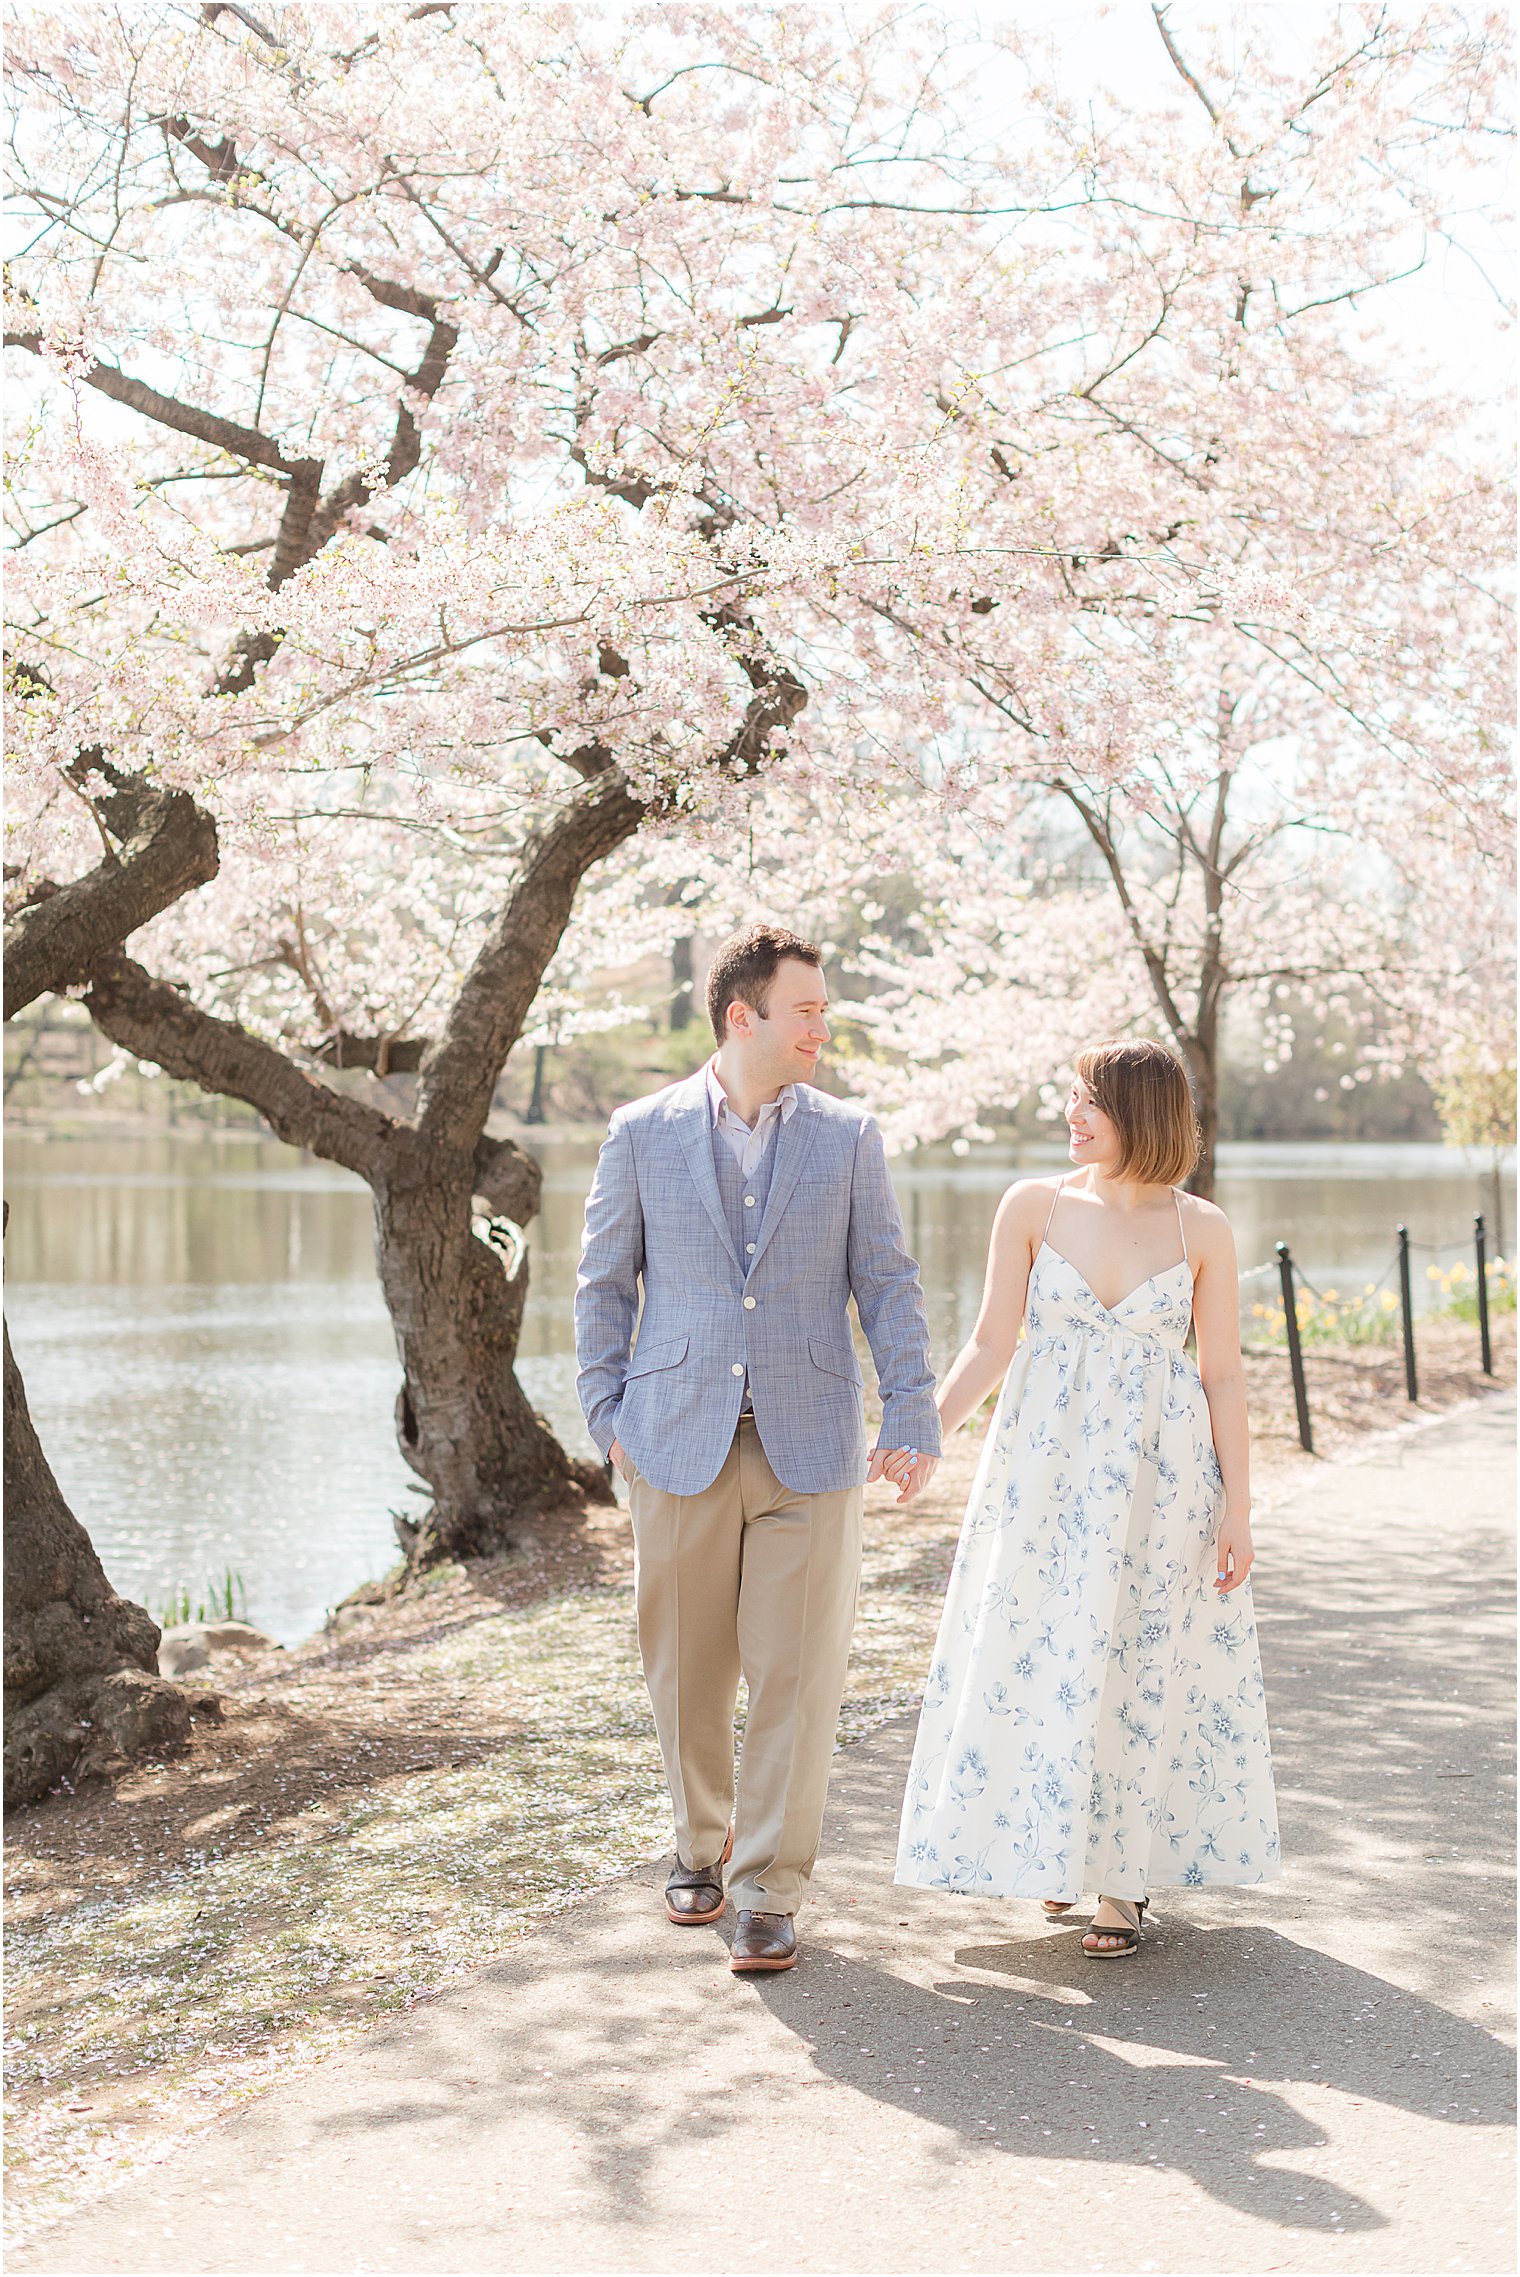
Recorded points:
(1126,1936)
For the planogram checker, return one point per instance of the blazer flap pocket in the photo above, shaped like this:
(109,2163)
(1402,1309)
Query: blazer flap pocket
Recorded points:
(648,1358)
(834,1359)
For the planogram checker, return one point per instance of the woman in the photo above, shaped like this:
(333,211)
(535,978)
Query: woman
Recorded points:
(1094,1717)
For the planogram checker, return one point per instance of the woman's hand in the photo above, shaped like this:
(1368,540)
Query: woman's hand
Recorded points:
(902,1467)
(1234,1554)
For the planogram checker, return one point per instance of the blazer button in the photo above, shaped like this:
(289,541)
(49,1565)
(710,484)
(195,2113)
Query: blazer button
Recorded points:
(737,1369)
(749,1201)
(749,1304)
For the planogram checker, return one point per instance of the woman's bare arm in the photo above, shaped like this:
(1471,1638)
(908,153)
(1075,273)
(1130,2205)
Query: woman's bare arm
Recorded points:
(1216,1322)
(984,1360)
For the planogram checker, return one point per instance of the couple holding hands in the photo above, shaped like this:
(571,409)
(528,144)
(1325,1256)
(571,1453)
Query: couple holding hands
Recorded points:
(1093,1717)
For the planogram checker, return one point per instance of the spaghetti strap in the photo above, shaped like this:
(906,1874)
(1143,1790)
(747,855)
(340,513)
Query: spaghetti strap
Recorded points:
(1055,1197)
(1177,1204)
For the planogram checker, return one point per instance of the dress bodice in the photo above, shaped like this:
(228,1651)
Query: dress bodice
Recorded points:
(1156,1315)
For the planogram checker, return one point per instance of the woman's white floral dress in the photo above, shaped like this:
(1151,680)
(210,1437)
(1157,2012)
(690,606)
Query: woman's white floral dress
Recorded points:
(1094,1718)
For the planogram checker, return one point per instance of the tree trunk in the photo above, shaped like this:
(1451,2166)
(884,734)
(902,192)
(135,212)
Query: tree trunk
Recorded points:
(1202,1046)
(82,1689)
(463,1420)
(535,1113)
(681,976)
(1202,1053)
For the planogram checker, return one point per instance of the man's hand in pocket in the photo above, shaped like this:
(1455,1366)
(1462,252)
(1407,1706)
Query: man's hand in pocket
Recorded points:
(617,1455)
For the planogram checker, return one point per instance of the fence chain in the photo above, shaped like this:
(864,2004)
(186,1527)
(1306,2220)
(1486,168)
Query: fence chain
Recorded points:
(1314,1289)
(1397,1265)
(1302,1280)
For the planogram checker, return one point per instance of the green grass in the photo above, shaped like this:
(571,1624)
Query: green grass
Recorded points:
(224,1601)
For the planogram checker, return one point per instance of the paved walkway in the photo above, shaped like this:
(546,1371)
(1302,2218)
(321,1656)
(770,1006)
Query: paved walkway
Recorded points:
(1303,2078)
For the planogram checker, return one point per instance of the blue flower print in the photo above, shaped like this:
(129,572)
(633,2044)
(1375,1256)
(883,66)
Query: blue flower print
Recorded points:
(1094,1716)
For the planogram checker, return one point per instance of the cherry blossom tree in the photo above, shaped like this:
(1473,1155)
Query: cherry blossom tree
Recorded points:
(1265,671)
(1237,736)
(473,452)
(434,420)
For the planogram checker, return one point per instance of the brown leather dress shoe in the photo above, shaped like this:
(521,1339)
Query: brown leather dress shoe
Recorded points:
(763,1941)
(694,1894)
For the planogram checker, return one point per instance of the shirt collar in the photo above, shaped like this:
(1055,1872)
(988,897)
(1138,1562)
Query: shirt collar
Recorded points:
(718,1104)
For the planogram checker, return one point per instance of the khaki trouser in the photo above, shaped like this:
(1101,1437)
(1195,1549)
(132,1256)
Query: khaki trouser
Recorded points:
(747,1577)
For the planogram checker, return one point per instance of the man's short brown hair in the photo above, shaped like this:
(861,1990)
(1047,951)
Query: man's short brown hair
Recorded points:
(745,966)
(1144,1091)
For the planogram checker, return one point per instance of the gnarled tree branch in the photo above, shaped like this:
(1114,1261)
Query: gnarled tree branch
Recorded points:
(159,1023)
(459,1073)
(167,848)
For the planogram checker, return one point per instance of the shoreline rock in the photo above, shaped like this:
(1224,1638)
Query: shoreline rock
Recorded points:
(189,1645)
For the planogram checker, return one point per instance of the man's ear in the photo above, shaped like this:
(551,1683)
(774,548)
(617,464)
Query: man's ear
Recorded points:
(739,1019)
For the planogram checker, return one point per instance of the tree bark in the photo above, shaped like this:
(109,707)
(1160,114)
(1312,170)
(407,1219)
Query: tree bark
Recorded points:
(463,1421)
(166,847)
(681,976)
(534,1112)
(1202,1055)
(82,1689)
(1201,1047)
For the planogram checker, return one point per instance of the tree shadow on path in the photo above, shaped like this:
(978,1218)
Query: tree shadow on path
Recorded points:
(1179,2068)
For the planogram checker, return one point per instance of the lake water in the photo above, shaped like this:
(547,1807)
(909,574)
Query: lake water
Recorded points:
(211,1369)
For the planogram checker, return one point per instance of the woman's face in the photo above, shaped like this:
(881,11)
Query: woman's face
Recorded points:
(1094,1139)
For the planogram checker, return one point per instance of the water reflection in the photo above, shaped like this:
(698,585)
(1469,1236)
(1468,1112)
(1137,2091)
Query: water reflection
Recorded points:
(212,1370)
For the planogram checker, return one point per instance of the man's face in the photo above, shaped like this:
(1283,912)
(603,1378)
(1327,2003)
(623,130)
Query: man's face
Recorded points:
(785,1043)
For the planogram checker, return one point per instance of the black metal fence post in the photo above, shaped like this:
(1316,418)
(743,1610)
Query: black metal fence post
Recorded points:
(1406,1300)
(1295,1349)
(1480,1243)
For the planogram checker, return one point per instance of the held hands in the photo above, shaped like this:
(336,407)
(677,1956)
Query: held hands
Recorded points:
(1234,1554)
(902,1467)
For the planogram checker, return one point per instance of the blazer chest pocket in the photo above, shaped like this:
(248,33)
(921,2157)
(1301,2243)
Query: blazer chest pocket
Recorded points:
(834,1360)
(648,1359)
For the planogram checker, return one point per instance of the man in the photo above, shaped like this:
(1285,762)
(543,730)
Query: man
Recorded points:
(753,1207)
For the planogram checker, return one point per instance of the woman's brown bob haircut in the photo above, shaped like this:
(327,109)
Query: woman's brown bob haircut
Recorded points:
(1143,1090)
(745,966)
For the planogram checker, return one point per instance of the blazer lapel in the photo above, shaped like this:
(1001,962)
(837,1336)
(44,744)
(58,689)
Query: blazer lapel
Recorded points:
(792,1142)
(692,1117)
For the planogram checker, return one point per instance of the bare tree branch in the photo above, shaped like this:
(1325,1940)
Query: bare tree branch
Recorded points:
(185,418)
(167,847)
(157,1022)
